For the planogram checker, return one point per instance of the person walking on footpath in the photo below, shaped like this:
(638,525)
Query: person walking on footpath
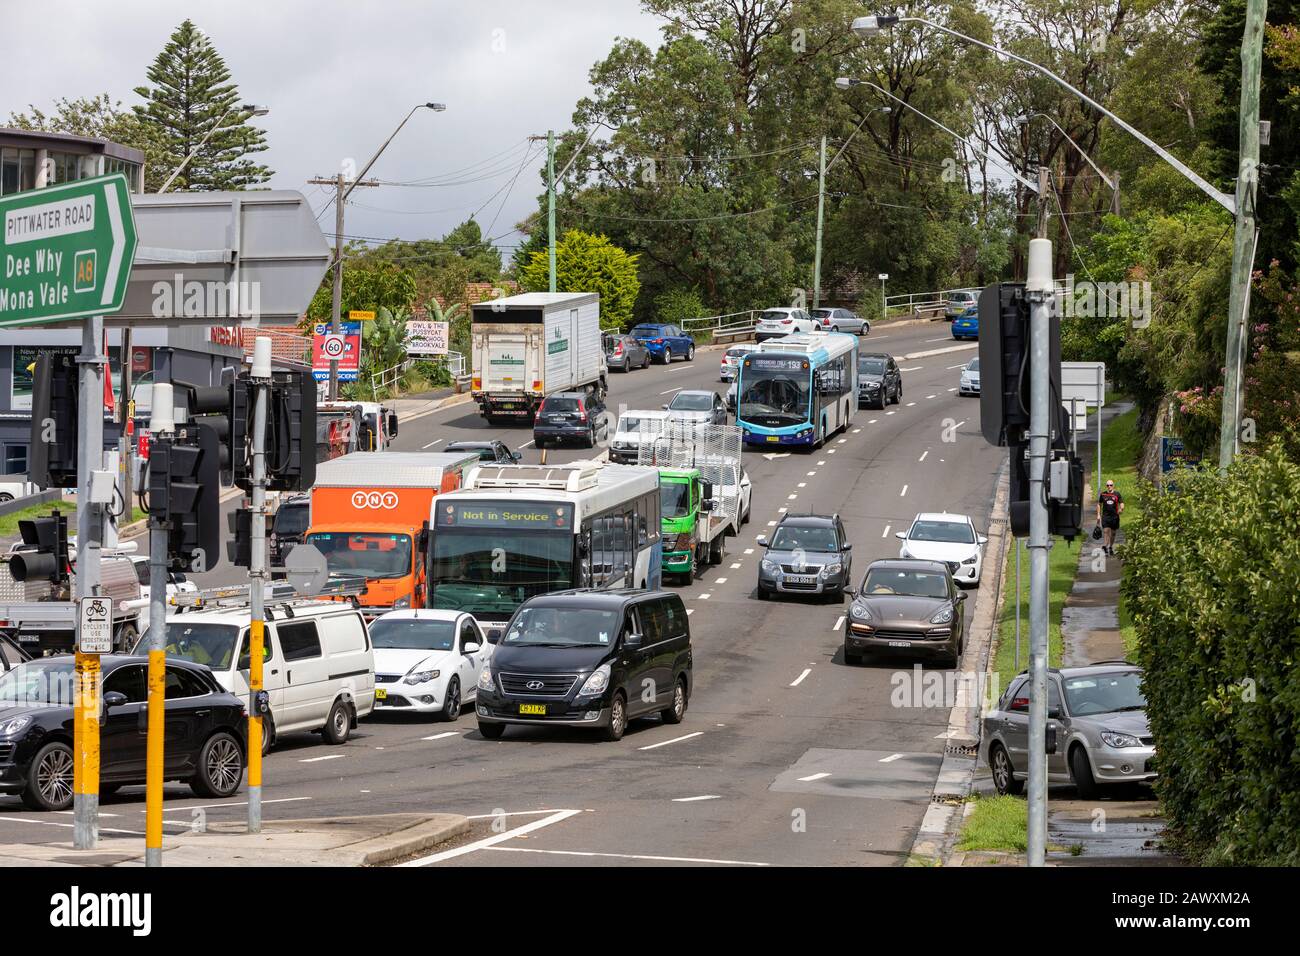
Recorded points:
(1110,505)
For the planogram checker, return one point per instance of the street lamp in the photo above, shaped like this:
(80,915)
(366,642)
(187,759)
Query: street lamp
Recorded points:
(249,108)
(1024,119)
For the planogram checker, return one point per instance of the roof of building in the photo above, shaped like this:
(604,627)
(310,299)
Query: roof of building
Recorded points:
(43,139)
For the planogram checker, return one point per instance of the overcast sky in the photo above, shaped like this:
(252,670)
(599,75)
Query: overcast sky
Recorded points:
(338,77)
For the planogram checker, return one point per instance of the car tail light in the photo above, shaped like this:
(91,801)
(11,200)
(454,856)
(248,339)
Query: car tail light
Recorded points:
(657,341)
(826,321)
(582,413)
(786,321)
(1020,703)
(618,348)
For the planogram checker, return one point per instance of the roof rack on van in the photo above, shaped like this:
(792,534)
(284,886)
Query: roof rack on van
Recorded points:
(574,476)
(276,592)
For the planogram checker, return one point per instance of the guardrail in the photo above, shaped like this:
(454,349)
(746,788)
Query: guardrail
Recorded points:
(389,377)
(716,325)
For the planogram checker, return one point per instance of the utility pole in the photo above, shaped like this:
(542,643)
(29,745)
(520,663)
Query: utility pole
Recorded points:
(161,427)
(550,204)
(342,188)
(260,379)
(1243,240)
(821,216)
(1041,293)
(90,534)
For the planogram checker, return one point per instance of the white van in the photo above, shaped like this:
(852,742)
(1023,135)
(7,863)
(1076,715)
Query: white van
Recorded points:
(634,427)
(318,666)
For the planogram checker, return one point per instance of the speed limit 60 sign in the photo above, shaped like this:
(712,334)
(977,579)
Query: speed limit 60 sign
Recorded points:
(334,346)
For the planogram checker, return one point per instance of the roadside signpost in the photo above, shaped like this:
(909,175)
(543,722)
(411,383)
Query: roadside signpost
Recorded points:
(95,625)
(343,347)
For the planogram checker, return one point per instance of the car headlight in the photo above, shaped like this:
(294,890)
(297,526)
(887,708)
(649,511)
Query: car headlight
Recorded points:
(970,560)
(421,677)
(859,612)
(402,603)
(1119,741)
(943,616)
(596,683)
(485,678)
(16,726)
(769,566)
(835,568)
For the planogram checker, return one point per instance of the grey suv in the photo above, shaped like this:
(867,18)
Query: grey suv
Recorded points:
(1102,735)
(808,554)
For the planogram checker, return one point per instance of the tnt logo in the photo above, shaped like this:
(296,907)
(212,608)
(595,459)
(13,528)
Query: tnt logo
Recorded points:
(84,264)
(378,500)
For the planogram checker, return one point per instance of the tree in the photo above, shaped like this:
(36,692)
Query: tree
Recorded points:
(383,287)
(191,94)
(101,117)
(588,263)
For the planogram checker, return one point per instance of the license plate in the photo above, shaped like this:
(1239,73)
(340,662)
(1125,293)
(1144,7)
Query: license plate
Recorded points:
(801,578)
(381,694)
(900,643)
(536,709)
(773,437)
(508,405)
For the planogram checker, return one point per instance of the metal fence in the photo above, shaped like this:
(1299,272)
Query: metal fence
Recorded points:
(728,324)
(388,378)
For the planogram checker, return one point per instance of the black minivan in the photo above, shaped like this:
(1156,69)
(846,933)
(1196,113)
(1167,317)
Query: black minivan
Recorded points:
(588,658)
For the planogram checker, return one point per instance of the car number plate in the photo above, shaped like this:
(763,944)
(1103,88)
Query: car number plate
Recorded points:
(381,694)
(537,709)
(900,643)
(801,578)
(773,437)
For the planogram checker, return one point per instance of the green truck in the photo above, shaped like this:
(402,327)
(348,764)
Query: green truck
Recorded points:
(695,523)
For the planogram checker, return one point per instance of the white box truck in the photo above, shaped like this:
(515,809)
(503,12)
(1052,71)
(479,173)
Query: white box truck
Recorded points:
(526,347)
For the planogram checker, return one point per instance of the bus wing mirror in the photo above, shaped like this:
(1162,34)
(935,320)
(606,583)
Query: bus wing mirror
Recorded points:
(392,424)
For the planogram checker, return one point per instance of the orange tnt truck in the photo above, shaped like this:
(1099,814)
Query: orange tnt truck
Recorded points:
(370,518)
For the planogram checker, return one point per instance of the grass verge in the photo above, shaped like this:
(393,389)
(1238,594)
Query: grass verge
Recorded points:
(9,523)
(996,823)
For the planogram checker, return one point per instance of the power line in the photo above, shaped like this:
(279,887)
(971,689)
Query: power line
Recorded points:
(730,215)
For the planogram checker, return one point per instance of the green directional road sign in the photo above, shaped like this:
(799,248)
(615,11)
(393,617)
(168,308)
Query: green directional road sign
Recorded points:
(65,251)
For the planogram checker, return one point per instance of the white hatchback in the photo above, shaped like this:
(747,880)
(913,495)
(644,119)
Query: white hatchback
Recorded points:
(773,323)
(427,661)
(949,538)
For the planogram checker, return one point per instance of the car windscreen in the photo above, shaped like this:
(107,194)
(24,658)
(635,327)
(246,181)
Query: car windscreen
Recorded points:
(943,532)
(774,315)
(674,499)
(907,582)
(560,405)
(1104,693)
(412,634)
(806,538)
(737,353)
(38,682)
(292,519)
(871,367)
(562,627)
(973,365)
(366,554)
(202,642)
(691,402)
(821,313)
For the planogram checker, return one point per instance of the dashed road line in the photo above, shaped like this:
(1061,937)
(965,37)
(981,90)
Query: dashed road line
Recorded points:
(814,776)
(432,443)
(799,680)
(922,458)
(706,796)
(326,757)
(891,758)
(885,533)
(839,623)
(675,740)
(442,736)
(903,493)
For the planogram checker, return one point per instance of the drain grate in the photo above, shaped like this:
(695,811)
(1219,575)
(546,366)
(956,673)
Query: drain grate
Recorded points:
(961,750)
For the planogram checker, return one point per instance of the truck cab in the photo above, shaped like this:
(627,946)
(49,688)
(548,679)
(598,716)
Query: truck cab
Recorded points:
(346,427)
(685,500)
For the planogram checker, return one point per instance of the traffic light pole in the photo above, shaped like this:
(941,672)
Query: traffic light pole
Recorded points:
(90,457)
(161,426)
(261,380)
(1040,292)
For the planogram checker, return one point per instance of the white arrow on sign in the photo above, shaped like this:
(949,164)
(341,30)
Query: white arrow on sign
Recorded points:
(119,244)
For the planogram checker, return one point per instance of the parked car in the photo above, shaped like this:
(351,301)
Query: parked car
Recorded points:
(841,320)
(664,342)
(807,554)
(967,325)
(879,380)
(908,607)
(1102,736)
(625,352)
(952,539)
(635,427)
(16,486)
(571,416)
(959,301)
(203,737)
(969,383)
(731,361)
(318,667)
(289,527)
(588,658)
(773,323)
(697,406)
(492,452)
(730,399)
(427,661)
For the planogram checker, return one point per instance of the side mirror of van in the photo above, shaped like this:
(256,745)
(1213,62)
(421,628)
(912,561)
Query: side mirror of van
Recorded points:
(392,424)
(706,506)
(632,641)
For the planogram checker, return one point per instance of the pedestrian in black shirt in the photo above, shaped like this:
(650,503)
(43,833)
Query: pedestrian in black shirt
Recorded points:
(1110,505)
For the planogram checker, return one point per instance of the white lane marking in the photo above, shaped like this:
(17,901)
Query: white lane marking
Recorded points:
(706,796)
(889,413)
(675,740)
(885,533)
(891,758)
(680,367)
(953,367)
(442,736)
(512,813)
(213,806)
(822,462)
(857,431)
(627,856)
(914,368)
(749,550)
(811,473)
(326,757)
(803,484)
(493,840)
(782,511)
(799,680)
(839,623)
(68,813)
(903,493)
(842,441)
(952,389)
(791,497)
(527,443)
(722,580)
(666,391)
(922,458)
(971,346)
(910,404)
(736,565)
(928,397)
(690,611)
(705,596)
(831,452)
(432,443)
(813,776)
(873,421)
(943,339)
(772,524)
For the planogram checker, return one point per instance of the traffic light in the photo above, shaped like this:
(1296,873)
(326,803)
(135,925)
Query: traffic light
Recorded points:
(1004,354)
(52,455)
(47,538)
(213,406)
(291,432)
(239,549)
(185,491)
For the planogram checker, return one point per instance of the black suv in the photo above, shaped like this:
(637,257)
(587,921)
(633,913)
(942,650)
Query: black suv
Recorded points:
(880,383)
(289,528)
(588,658)
(571,416)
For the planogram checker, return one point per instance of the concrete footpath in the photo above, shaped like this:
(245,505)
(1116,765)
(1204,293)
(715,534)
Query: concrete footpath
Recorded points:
(332,841)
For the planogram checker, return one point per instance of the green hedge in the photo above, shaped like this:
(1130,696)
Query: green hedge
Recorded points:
(1212,580)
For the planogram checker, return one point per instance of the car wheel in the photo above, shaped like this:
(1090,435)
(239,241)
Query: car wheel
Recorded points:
(1004,778)
(338,726)
(718,550)
(491,731)
(591,437)
(5,497)
(1081,771)
(690,352)
(49,779)
(675,713)
(125,638)
(668,355)
(451,706)
(898,396)
(617,718)
(221,767)
(645,363)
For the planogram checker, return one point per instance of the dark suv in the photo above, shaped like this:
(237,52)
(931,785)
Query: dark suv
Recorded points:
(571,416)
(808,554)
(880,382)
(289,528)
(588,658)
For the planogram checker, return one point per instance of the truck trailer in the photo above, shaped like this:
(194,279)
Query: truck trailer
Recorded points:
(526,347)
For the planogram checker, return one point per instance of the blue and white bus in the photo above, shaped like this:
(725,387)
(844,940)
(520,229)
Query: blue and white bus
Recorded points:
(798,389)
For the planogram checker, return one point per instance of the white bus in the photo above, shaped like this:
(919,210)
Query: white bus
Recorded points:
(515,531)
(798,389)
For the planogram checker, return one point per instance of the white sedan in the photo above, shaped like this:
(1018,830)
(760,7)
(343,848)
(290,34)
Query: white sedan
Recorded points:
(949,538)
(427,661)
